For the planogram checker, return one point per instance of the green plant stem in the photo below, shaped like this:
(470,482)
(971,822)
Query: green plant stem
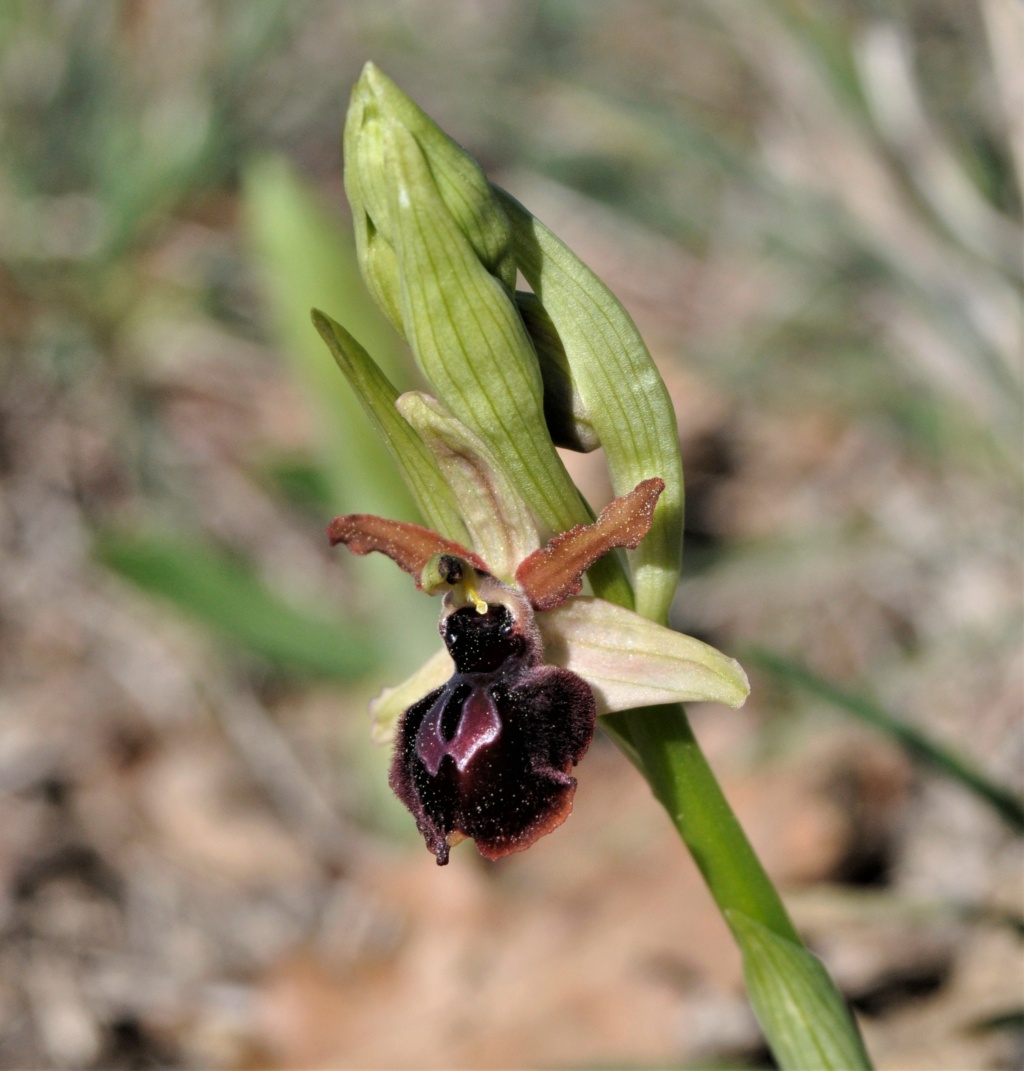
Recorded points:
(805,1019)
(661,740)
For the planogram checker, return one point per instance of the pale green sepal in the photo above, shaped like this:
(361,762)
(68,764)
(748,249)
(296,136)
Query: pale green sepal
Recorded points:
(392,703)
(377,396)
(630,661)
(469,339)
(378,105)
(804,1017)
(566,415)
(621,390)
(501,527)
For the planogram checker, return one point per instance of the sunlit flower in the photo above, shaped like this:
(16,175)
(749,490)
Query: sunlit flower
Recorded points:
(492,728)
(486,734)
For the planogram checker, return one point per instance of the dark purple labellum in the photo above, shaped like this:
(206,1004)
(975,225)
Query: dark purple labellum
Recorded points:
(488,755)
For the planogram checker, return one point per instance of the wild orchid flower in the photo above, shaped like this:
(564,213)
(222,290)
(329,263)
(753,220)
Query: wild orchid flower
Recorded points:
(487,732)
(487,754)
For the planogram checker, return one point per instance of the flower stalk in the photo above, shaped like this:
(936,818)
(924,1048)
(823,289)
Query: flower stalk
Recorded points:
(487,732)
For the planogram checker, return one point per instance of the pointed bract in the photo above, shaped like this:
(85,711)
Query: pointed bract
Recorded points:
(377,395)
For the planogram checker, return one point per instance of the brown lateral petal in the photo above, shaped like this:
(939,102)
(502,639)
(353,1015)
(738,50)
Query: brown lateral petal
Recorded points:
(553,573)
(409,546)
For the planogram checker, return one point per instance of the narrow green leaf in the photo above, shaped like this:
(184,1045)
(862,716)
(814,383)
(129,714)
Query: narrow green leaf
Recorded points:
(377,396)
(1011,1020)
(621,390)
(918,744)
(804,1017)
(308,259)
(231,599)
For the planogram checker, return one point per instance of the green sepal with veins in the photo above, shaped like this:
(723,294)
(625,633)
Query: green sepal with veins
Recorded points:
(377,104)
(618,388)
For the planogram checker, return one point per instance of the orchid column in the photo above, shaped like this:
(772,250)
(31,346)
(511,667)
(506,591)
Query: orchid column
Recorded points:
(488,731)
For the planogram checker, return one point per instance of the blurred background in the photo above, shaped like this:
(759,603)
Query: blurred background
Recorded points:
(813,211)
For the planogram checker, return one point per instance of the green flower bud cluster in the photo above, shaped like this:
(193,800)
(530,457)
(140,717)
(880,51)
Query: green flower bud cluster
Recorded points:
(440,249)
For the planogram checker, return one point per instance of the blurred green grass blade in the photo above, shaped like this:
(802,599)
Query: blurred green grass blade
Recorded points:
(1011,1020)
(804,1017)
(234,601)
(918,744)
(826,38)
(308,260)
(299,479)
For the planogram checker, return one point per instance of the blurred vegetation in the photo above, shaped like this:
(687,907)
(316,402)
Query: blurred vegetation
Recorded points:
(858,704)
(835,191)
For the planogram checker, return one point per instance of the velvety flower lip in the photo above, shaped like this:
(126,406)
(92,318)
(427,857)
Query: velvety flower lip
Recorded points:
(486,753)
